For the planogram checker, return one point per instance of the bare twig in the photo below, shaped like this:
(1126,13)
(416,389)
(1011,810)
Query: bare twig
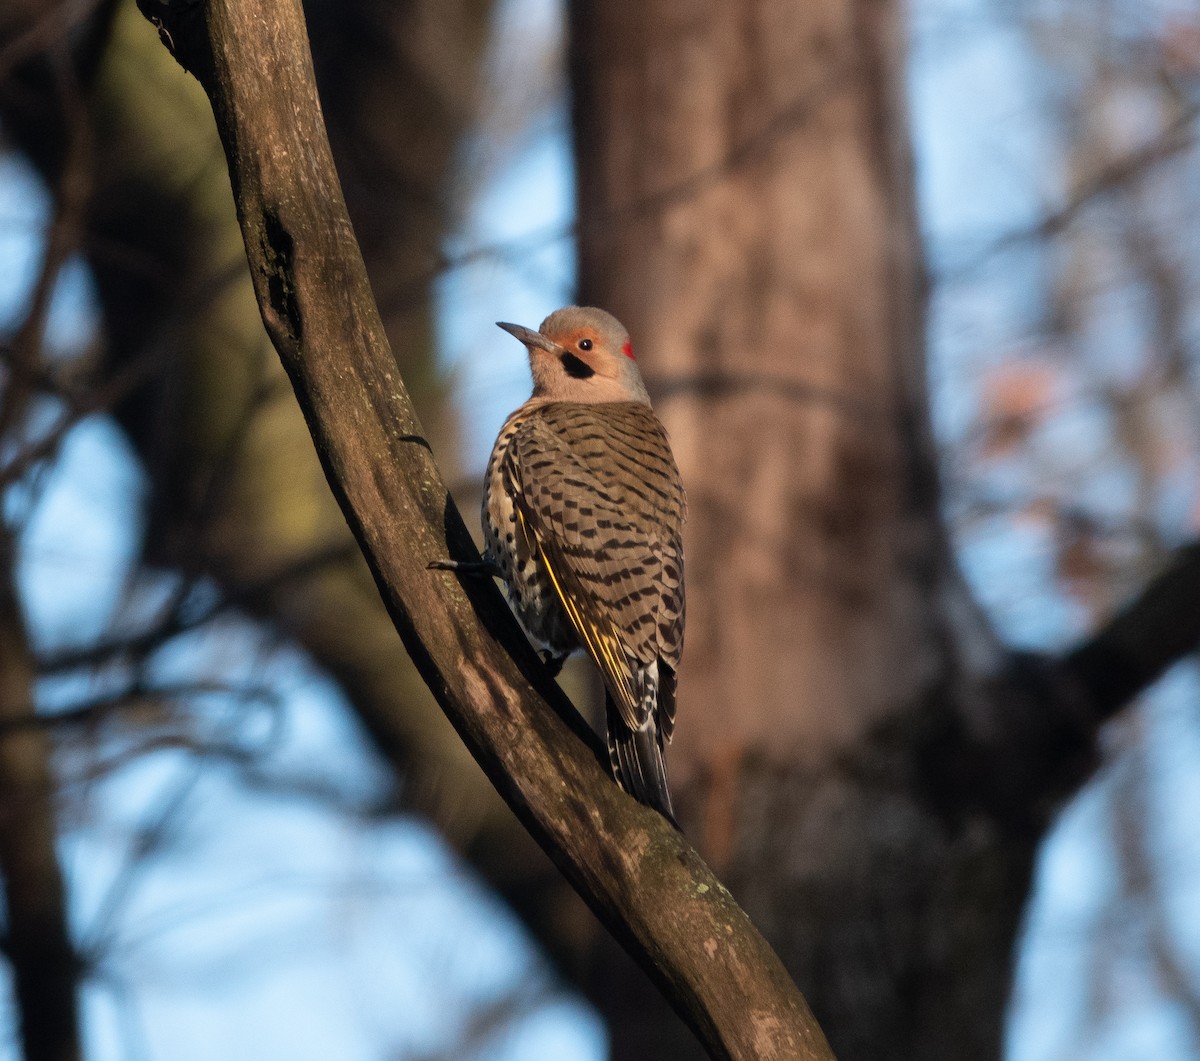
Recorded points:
(94,708)
(48,30)
(63,238)
(175,618)
(1176,138)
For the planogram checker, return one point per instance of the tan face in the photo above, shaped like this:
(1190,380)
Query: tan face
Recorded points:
(583,355)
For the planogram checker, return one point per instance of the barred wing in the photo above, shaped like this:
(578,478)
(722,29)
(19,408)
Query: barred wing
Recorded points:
(599,499)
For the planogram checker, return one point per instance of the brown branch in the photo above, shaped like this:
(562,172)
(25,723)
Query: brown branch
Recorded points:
(44,964)
(39,946)
(100,398)
(50,28)
(1155,630)
(638,874)
(63,238)
(1031,740)
(92,709)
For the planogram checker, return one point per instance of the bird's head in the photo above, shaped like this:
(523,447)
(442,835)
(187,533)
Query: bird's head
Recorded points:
(581,354)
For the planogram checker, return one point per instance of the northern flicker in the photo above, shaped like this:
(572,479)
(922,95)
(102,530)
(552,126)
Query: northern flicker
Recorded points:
(583,514)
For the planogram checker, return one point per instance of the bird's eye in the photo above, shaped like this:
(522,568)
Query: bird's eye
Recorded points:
(585,344)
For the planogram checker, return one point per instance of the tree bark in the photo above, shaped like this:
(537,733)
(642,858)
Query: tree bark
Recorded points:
(637,873)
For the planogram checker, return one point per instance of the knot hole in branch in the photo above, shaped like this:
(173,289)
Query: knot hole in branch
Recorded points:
(278,255)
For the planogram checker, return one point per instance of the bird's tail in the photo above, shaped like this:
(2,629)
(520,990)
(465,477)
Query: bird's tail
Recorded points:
(637,762)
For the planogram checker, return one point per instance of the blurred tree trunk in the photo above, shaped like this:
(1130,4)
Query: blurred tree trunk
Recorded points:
(747,208)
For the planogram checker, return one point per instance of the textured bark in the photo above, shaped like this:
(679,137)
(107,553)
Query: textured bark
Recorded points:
(869,765)
(637,873)
(38,944)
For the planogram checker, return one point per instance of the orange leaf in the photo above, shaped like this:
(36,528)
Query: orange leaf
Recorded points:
(1015,397)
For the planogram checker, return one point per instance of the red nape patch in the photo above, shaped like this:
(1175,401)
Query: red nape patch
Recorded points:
(627,350)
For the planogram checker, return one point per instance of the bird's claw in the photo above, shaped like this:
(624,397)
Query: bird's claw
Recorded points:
(480,568)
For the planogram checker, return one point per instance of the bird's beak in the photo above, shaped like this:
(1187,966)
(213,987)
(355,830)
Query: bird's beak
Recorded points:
(533,340)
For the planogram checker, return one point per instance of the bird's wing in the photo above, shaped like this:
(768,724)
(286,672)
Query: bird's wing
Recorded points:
(599,499)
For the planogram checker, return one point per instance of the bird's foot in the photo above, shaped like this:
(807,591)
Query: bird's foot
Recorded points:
(475,568)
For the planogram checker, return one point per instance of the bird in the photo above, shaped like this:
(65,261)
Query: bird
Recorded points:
(583,514)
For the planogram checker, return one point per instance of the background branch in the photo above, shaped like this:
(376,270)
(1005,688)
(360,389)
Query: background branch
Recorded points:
(39,947)
(1153,631)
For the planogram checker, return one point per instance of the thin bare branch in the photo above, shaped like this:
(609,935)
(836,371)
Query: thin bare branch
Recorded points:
(50,29)
(176,618)
(63,238)
(1177,137)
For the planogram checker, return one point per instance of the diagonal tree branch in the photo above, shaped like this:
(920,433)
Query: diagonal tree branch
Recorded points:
(642,879)
(1155,630)
(1031,740)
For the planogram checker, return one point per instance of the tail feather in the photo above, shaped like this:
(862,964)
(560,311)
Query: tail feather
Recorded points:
(637,762)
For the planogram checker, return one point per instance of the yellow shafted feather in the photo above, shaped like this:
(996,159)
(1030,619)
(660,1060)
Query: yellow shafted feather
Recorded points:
(603,646)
